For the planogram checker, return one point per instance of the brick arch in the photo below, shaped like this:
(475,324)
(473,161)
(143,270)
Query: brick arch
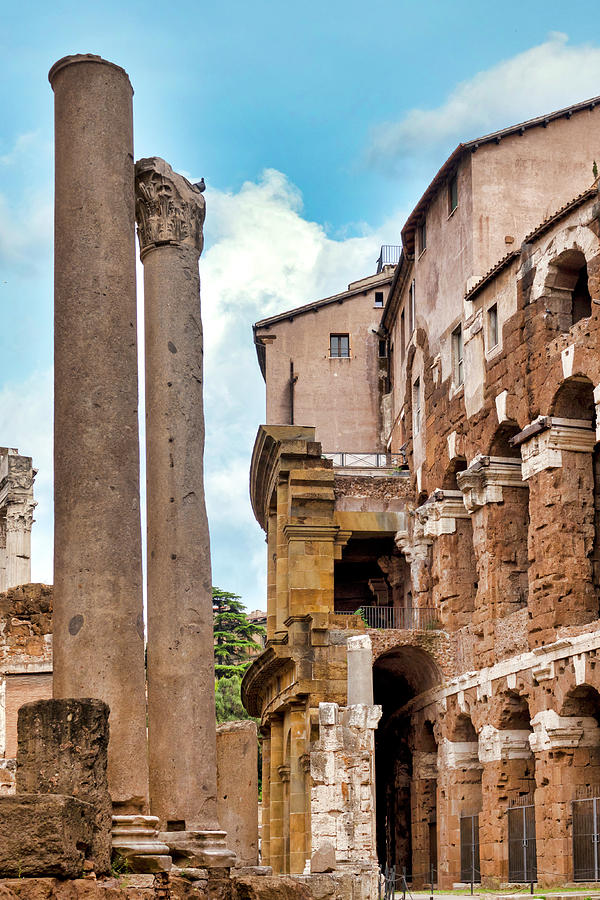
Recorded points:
(579,240)
(430,648)
(574,399)
(499,443)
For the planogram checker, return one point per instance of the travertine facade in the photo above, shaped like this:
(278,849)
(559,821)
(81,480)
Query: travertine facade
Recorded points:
(475,566)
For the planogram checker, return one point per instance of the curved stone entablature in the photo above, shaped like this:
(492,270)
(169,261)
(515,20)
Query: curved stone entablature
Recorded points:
(169,209)
(272,441)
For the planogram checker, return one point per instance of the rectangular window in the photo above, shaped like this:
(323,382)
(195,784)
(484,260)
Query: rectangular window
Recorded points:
(422,236)
(492,326)
(417,406)
(339,345)
(457,356)
(402,336)
(411,308)
(379,298)
(452,194)
(383,349)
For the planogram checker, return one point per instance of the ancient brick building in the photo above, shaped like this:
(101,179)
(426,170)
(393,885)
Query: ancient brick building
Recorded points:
(460,528)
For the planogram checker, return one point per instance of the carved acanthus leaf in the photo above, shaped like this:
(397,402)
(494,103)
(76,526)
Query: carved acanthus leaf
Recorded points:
(168,208)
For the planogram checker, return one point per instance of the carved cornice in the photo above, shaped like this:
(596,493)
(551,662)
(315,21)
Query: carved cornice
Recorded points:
(439,514)
(168,208)
(483,480)
(544,448)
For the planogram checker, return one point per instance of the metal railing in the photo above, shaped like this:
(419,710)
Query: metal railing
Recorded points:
(405,618)
(388,256)
(365,460)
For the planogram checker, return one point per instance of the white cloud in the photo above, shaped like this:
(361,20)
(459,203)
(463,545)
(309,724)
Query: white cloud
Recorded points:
(262,257)
(541,79)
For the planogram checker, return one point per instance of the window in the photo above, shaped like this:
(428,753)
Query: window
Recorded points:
(492,326)
(382,349)
(422,236)
(402,336)
(379,298)
(452,194)
(339,345)
(457,356)
(411,308)
(417,406)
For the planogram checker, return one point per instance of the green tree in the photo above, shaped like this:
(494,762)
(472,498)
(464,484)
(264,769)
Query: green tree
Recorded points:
(228,699)
(234,635)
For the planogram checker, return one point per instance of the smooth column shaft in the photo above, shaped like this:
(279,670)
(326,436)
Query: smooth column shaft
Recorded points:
(98,613)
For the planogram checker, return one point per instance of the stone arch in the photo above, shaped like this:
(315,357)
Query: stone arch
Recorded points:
(574,399)
(405,753)
(582,700)
(562,279)
(500,443)
(449,482)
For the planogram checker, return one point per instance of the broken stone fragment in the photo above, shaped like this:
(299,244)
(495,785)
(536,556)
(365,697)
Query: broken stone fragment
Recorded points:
(44,835)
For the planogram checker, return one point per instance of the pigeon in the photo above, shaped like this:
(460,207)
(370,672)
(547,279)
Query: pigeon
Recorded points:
(201,185)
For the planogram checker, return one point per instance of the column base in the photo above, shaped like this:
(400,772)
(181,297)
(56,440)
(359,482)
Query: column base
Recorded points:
(198,849)
(136,839)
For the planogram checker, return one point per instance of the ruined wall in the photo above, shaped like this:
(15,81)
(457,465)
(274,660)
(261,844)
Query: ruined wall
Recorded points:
(25,663)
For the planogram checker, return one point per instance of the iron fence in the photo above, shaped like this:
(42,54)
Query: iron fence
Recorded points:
(522,855)
(586,838)
(469,849)
(403,618)
(366,460)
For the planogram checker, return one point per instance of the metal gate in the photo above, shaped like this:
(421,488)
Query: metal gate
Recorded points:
(469,849)
(586,835)
(522,859)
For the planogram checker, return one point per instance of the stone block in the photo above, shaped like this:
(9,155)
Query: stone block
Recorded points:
(62,749)
(44,835)
(237,788)
(323,858)
(278,887)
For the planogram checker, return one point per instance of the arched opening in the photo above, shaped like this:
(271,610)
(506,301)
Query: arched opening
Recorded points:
(405,758)
(454,570)
(464,730)
(460,799)
(501,446)
(508,583)
(574,400)
(569,298)
(581,782)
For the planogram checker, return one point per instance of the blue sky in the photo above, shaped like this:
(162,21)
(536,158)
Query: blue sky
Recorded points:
(316,127)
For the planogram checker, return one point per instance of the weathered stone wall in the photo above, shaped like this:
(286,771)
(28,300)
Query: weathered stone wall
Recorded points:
(25,664)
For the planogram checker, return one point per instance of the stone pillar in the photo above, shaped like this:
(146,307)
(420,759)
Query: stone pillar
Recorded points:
(423,796)
(237,788)
(276,797)
(297,785)
(496,497)
(98,613)
(417,550)
(183,772)
(567,763)
(265,830)
(508,773)
(360,670)
(557,464)
(453,568)
(271,575)
(16,517)
(459,792)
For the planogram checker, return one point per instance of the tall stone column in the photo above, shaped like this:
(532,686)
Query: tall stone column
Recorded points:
(181,702)
(16,517)
(98,613)
(265,828)
(276,854)
(297,788)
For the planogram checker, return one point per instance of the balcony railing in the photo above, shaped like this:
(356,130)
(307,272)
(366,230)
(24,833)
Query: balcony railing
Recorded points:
(366,460)
(388,256)
(407,618)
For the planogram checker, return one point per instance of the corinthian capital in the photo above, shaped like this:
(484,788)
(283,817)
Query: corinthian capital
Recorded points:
(168,209)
